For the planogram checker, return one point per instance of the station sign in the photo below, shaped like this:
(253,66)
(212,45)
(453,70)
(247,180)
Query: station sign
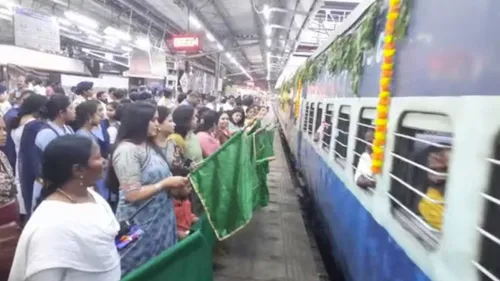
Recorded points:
(186,42)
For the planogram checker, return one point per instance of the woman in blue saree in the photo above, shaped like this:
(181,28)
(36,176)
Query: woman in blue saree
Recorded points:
(138,173)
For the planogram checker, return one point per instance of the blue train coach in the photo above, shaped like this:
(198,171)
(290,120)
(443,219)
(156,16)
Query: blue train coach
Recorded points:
(433,211)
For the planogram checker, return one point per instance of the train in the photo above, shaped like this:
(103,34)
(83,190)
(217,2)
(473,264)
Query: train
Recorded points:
(444,100)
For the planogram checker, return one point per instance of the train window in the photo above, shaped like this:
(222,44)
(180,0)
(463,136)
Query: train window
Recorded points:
(342,134)
(318,129)
(327,128)
(363,149)
(490,231)
(306,112)
(310,119)
(419,174)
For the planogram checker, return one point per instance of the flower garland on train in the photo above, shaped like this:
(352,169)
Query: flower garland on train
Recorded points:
(395,29)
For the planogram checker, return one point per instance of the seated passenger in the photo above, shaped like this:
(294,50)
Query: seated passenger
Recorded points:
(363,176)
(71,234)
(139,173)
(432,211)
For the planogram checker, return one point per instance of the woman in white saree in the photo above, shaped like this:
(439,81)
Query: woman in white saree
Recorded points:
(70,236)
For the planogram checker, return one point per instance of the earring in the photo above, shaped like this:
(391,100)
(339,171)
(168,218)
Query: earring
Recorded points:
(81,180)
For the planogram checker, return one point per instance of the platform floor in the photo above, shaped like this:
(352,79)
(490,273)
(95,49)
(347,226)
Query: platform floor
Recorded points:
(275,245)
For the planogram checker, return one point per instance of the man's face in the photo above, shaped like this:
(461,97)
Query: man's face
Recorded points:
(21,82)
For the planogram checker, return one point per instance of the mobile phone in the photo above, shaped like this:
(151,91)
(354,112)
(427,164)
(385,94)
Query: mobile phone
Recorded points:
(126,240)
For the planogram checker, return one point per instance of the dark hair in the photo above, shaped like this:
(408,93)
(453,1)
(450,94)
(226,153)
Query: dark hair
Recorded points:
(223,100)
(135,122)
(238,101)
(55,105)
(111,90)
(211,98)
(99,94)
(27,93)
(134,128)
(240,110)
(182,117)
(72,89)
(84,112)
(163,113)
(181,97)
(59,158)
(34,104)
(253,107)
(208,120)
(145,96)
(114,105)
(126,101)
(118,94)
(200,112)
(167,93)
(247,100)
(135,96)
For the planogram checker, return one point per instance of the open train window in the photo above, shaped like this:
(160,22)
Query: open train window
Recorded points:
(304,120)
(317,122)
(490,231)
(327,128)
(362,149)
(310,119)
(342,134)
(419,174)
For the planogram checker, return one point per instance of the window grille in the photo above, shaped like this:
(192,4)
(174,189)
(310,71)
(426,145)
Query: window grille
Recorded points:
(310,119)
(364,141)
(327,130)
(305,118)
(488,265)
(419,173)
(342,134)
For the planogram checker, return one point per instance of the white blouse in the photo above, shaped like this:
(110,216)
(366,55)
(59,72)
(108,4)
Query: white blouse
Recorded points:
(68,242)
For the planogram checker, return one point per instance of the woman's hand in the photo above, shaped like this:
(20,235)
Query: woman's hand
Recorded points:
(181,189)
(175,182)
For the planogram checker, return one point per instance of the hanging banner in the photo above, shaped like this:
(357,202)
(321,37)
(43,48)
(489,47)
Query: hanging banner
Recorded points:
(36,31)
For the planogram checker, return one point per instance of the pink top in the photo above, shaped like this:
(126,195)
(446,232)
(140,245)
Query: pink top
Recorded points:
(209,144)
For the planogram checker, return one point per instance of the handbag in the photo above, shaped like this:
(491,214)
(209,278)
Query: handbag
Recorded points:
(10,231)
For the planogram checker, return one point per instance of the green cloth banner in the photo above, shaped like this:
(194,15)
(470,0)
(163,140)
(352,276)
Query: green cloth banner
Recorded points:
(188,260)
(224,183)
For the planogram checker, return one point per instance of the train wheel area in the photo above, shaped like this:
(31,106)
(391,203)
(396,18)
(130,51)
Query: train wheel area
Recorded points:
(275,245)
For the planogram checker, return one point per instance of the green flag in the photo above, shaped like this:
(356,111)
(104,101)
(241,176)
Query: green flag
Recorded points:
(224,183)
(262,151)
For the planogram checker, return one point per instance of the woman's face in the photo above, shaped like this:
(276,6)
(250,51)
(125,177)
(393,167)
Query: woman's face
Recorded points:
(110,111)
(263,111)
(153,126)
(194,122)
(100,111)
(251,113)
(3,133)
(237,117)
(168,125)
(223,121)
(70,113)
(94,167)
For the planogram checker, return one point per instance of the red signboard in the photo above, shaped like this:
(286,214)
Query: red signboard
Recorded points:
(186,42)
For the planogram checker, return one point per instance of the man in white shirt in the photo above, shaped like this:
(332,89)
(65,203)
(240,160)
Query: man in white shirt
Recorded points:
(364,176)
(4,101)
(84,92)
(166,99)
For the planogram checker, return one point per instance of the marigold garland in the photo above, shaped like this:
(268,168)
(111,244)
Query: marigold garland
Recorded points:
(387,71)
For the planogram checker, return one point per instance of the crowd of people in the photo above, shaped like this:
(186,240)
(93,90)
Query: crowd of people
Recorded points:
(74,170)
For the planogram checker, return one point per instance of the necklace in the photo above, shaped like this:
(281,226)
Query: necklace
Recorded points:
(68,196)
